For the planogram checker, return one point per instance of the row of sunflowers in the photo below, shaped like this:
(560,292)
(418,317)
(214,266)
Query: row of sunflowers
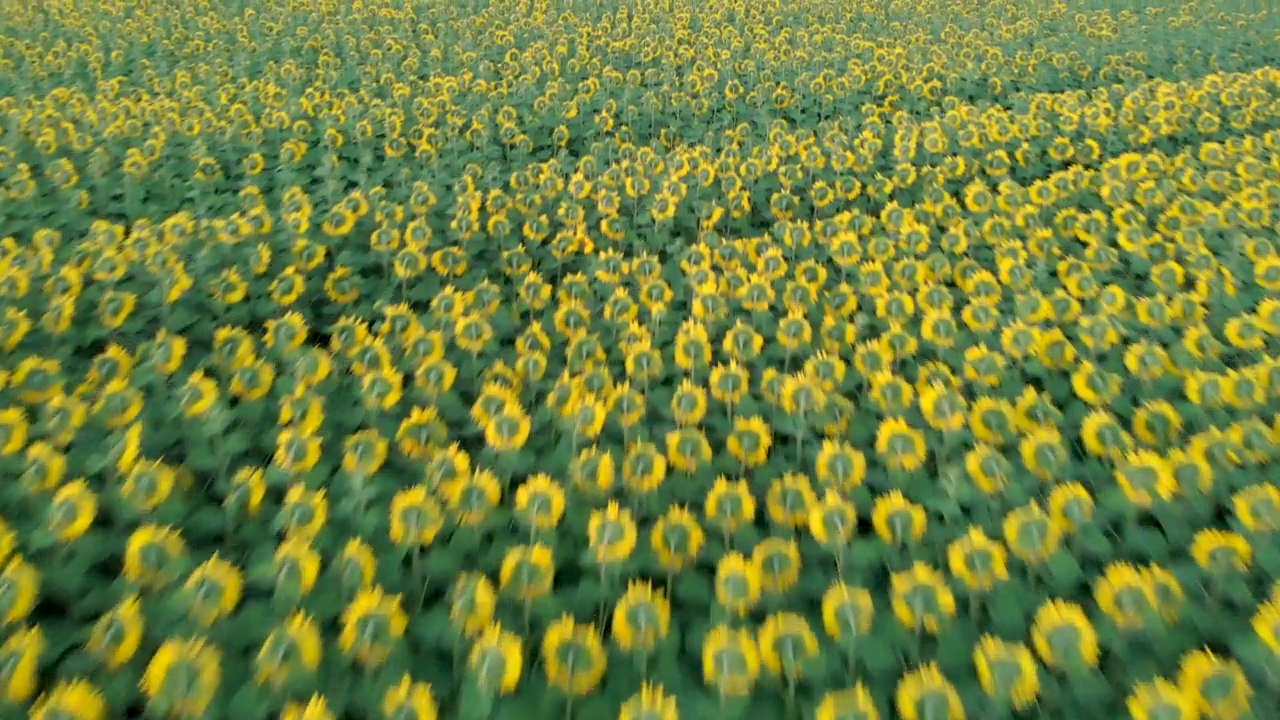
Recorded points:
(555,358)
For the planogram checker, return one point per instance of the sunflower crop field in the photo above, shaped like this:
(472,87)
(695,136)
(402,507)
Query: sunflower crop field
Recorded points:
(542,359)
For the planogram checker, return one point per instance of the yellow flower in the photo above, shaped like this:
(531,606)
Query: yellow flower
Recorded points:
(316,708)
(687,449)
(471,499)
(1220,551)
(46,467)
(573,656)
(1063,636)
(297,565)
(585,415)
(1094,386)
(213,590)
(363,453)
(794,332)
(891,393)
(1043,452)
(900,446)
(650,703)
(839,466)
(1126,596)
(19,664)
(898,520)
(198,395)
(1157,423)
(1007,671)
(987,468)
(117,635)
(742,342)
(14,429)
(152,556)
(730,661)
(37,380)
(252,380)
(496,660)
(147,485)
(992,420)
(1070,505)
(847,704)
(356,564)
(304,512)
(1218,685)
(381,390)
(978,561)
(641,619)
(593,471)
(833,521)
(676,539)
(611,534)
(285,334)
(247,491)
(729,383)
(847,612)
(628,405)
(527,572)
(789,500)
(435,376)
(787,644)
(943,408)
(409,699)
(420,433)
(290,652)
(777,563)
(730,505)
(540,502)
(182,677)
(445,465)
(1104,436)
(1031,534)
(644,468)
(75,699)
(71,511)
(416,517)
(926,694)
(472,600)
(297,451)
(1160,698)
(692,349)
(921,598)
(507,429)
(749,441)
(371,625)
(1145,478)
(1257,507)
(1266,623)
(737,583)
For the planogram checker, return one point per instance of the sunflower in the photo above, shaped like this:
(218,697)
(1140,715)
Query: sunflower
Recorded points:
(777,563)
(573,656)
(787,645)
(641,618)
(900,446)
(1007,671)
(926,694)
(730,661)
(921,598)
(496,660)
(1063,637)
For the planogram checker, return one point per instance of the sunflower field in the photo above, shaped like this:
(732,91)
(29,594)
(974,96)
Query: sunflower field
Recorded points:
(542,359)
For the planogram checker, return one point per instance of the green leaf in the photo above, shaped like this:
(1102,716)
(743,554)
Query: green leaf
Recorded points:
(1064,574)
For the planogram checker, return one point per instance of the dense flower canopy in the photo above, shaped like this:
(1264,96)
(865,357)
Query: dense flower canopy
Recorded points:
(551,358)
